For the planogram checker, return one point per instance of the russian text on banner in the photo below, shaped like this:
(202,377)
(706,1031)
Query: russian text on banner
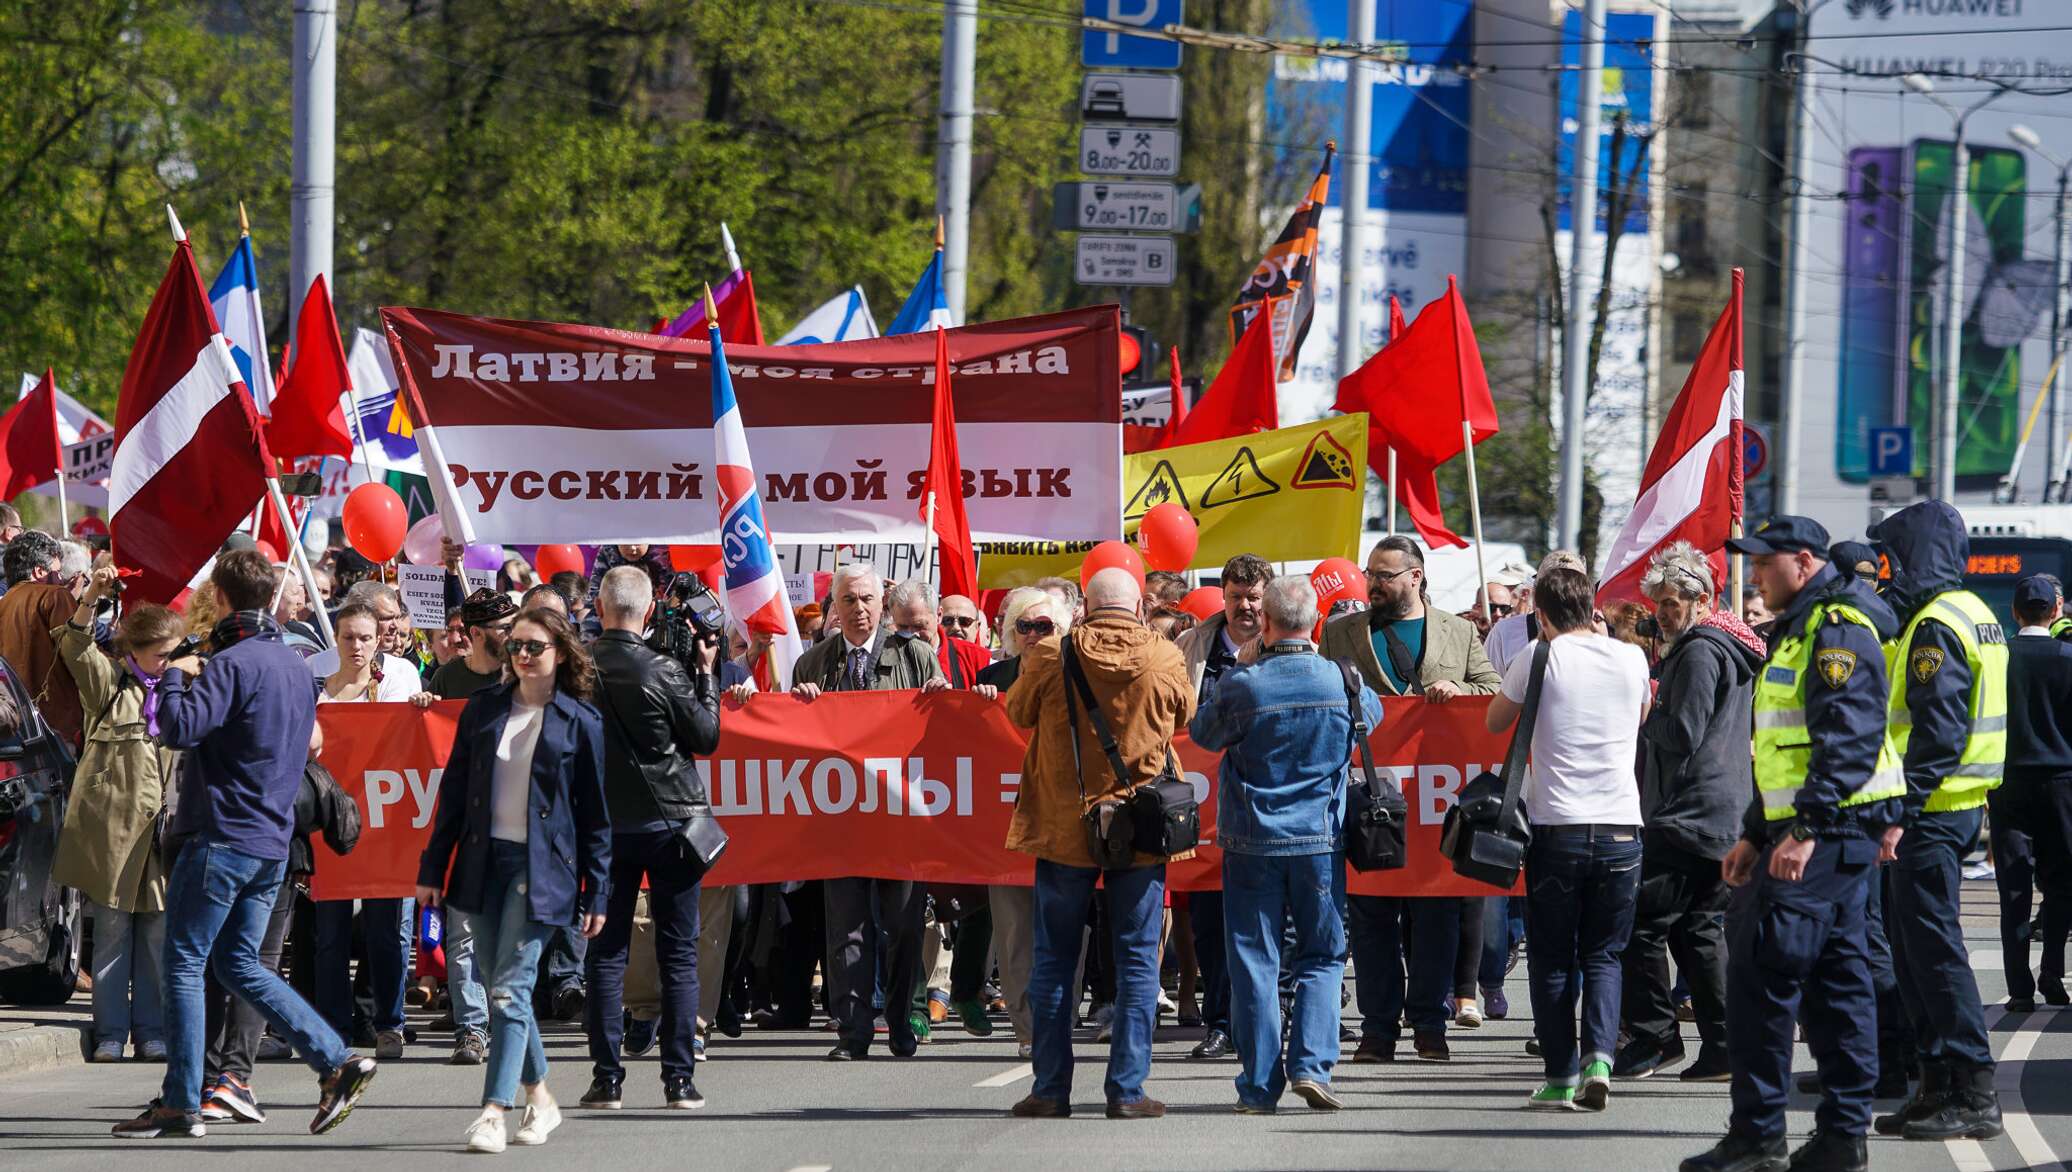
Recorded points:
(552,431)
(1293,494)
(893,785)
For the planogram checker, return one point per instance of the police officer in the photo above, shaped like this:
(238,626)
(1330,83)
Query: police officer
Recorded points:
(1827,780)
(1948,721)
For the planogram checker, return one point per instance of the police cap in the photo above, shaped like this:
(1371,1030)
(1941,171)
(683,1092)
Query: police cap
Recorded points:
(1784,534)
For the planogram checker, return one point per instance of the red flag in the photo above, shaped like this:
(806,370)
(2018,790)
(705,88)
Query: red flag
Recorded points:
(30,453)
(1178,409)
(1243,398)
(1399,389)
(1691,487)
(739,320)
(308,404)
(190,458)
(946,483)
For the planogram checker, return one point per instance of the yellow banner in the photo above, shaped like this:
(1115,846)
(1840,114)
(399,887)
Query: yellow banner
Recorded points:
(1293,494)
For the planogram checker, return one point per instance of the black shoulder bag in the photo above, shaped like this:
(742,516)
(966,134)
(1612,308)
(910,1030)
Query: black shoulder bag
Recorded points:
(1163,817)
(1486,833)
(701,838)
(1376,822)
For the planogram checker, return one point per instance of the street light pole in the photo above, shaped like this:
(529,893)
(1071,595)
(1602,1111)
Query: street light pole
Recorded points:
(2060,310)
(1798,260)
(1582,218)
(1953,297)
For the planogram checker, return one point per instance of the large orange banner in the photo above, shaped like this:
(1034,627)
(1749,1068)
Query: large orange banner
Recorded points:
(895,785)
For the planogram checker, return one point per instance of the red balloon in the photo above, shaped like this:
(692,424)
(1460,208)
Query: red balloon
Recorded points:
(1168,536)
(375,521)
(1203,602)
(557,559)
(1111,553)
(1335,580)
(266,547)
(692,558)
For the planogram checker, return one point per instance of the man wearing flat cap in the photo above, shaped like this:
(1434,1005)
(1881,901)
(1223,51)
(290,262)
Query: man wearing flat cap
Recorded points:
(1825,811)
(487,615)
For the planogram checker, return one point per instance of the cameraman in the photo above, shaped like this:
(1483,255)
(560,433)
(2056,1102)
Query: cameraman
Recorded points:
(656,716)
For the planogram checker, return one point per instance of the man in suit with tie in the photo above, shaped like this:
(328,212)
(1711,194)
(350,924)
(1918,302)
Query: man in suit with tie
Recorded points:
(1402,647)
(868,656)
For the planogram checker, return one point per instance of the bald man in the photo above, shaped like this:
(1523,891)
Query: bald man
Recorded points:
(1140,685)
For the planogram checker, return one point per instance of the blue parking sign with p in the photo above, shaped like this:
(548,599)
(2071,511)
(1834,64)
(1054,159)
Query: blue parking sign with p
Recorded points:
(1892,451)
(1120,50)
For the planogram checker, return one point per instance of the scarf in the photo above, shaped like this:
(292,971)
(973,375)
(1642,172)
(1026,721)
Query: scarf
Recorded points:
(240,626)
(150,684)
(1741,632)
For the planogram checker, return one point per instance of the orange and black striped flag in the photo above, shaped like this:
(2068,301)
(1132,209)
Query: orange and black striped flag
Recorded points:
(1282,284)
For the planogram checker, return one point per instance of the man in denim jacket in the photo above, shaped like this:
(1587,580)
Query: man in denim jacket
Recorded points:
(1282,720)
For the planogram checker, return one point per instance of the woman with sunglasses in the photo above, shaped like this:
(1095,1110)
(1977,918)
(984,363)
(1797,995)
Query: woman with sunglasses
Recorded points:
(521,821)
(1027,617)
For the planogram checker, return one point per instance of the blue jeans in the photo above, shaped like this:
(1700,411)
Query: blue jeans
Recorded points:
(1581,885)
(1380,925)
(218,902)
(1503,924)
(463,987)
(129,955)
(1135,905)
(508,943)
(1260,893)
(388,925)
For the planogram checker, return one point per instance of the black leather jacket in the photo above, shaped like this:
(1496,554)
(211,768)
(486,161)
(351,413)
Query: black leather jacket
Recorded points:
(656,717)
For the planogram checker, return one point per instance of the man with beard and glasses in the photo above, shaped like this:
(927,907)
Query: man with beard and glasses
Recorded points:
(1402,647)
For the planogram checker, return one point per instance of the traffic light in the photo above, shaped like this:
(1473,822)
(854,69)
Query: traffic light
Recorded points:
(1141,354)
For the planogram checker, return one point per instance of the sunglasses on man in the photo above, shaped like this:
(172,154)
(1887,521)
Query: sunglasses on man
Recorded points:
(959,622)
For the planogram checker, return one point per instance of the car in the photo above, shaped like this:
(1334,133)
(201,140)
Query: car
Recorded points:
(1104,97)
(40,922)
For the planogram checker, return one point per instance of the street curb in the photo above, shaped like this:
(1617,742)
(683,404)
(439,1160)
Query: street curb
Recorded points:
(41,1048)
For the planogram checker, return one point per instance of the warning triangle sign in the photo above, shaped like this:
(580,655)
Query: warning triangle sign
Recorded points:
(1324,464)
(1161,486)
(1241,480)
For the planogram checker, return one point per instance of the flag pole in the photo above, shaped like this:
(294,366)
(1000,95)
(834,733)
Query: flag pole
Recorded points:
(726,240)
(1389,492)
(1467,435)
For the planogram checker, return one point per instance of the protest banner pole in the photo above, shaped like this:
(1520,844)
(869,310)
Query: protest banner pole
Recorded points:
(1389,493)
(1467,436)
(64,512)
(1734,602)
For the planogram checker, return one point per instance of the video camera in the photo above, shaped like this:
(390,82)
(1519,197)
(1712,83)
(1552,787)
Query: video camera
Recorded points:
(687,613)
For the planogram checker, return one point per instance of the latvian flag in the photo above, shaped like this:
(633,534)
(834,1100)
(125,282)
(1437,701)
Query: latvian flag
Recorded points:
(1691,489)
(189,456)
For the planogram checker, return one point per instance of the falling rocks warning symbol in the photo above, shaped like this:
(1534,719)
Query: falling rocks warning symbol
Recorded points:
(1240,480)
(1161,486)
(1324,464)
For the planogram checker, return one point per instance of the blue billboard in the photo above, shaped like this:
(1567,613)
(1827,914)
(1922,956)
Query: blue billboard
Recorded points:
(1419,140)
(1629,91)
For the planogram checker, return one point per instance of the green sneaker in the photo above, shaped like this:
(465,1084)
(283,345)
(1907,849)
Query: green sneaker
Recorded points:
(1552,1098)
(1597,1086)
(920,1023)
(973,1015)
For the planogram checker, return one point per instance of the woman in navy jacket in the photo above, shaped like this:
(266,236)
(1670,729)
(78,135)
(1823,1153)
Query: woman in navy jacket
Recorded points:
(521,821)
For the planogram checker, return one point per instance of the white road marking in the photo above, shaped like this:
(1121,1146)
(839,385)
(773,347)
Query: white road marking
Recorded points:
(814,1168)
(1969,1155)
(1008,1077)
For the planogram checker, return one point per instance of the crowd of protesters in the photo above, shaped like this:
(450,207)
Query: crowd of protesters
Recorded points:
(561,881)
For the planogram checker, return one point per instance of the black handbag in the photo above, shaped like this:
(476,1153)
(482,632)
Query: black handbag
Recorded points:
(1486,833)
(1161,816)
(1377,818)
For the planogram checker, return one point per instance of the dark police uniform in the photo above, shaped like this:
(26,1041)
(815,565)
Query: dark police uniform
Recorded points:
(1825,773)
(2032,813)
(1949,720)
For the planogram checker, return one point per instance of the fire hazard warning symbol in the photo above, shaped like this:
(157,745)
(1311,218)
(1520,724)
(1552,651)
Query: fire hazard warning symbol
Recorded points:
(1162,486)
(1325,464)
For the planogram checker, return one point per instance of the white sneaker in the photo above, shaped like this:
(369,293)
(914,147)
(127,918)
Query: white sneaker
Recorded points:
(1166,1006)
(486,1134)
(1979,870)
(540,1118)
(1467,1014)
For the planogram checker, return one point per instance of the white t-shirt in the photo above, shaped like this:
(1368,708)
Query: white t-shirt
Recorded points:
(1588,731)
(399,678)
(1506,639)
(510,780)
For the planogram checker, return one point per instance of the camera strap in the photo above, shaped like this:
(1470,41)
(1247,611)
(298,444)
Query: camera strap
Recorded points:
(1075,681)
(1521,740)
(1072,719)
(1360,730)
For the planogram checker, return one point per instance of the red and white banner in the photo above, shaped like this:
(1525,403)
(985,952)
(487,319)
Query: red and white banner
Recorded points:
(894,785)
(549,432)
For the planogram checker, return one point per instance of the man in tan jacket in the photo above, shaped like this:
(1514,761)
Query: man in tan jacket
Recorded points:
(1402,647)
(1140,683)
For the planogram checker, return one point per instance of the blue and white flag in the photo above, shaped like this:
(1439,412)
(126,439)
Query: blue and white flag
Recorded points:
(927,306)
(845,318)
(754,581)
(235,296)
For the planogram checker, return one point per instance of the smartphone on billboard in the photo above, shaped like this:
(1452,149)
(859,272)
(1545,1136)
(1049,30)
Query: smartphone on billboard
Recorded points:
(1989,377)
(1871,384)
